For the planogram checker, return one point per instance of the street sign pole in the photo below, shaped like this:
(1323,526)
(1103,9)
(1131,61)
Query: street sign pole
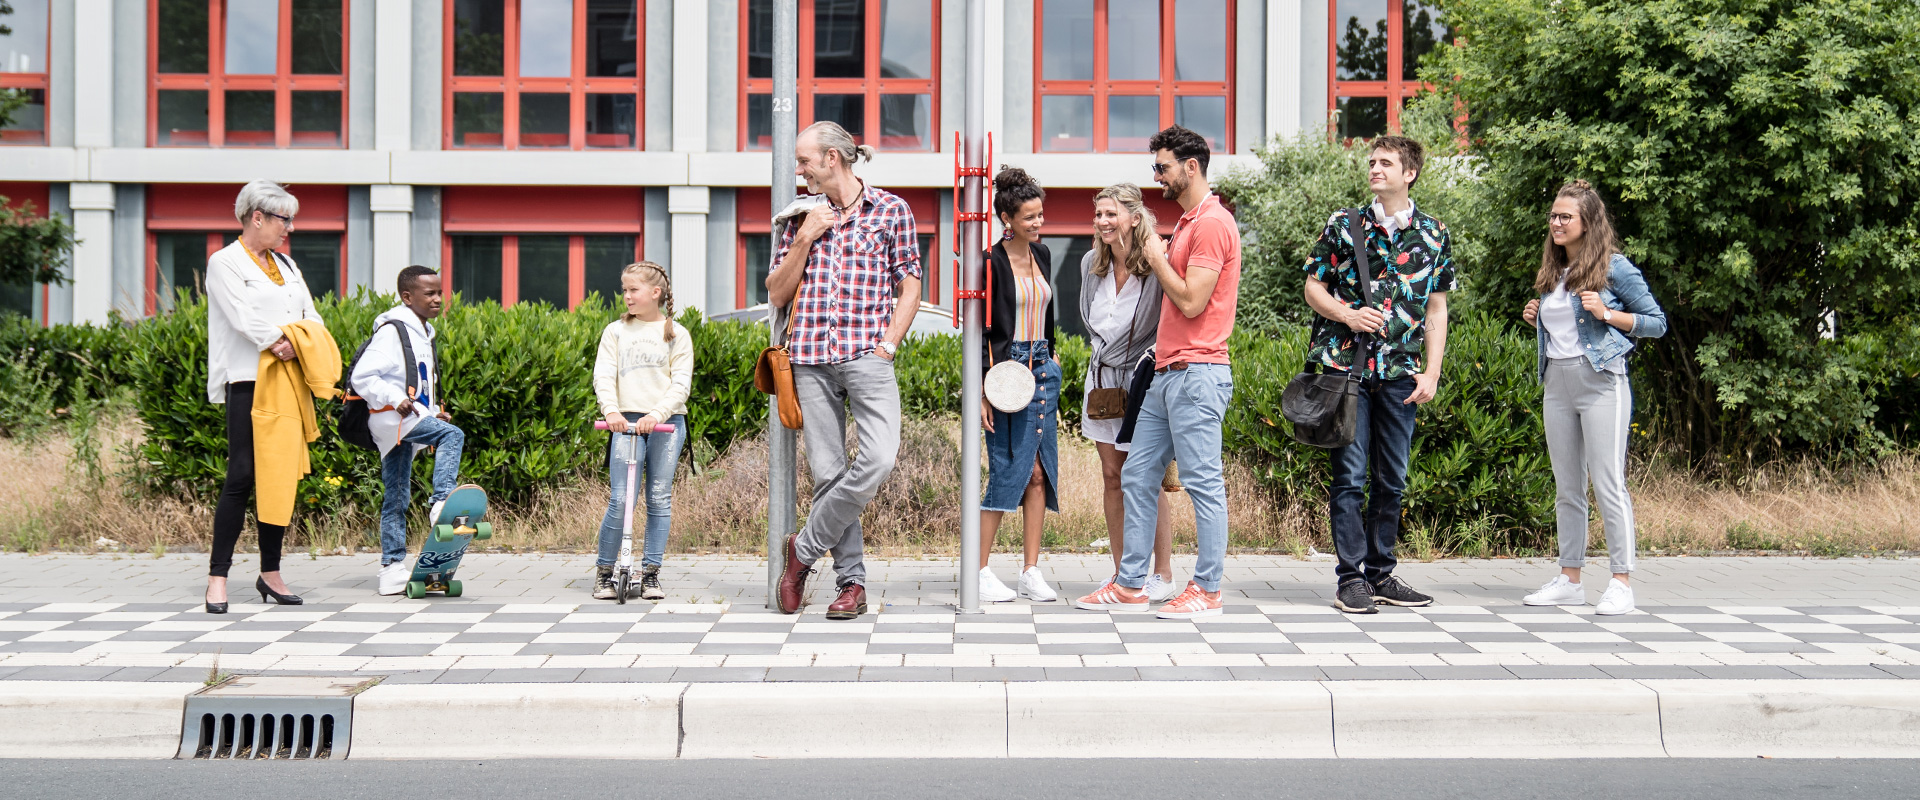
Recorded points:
(782,480)
(971,236)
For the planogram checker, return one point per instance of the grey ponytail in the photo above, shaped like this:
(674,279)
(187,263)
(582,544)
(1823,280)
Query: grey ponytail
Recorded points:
(833,138)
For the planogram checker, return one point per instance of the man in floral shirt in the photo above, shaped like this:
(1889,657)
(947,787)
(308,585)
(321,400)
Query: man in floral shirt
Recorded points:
(1411,259)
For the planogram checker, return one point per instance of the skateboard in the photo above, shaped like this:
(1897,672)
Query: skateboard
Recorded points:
(460,522)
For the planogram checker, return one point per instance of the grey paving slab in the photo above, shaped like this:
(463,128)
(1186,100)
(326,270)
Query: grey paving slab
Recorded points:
(1269,673)
(1830,672)
(532,676)
(1555,672)
(720,674)
(63,673)
(999,674)
(906,673)
(625,675)
(1371,673)
(788,674)
(1092,674)
(1459,672)
(1745,673)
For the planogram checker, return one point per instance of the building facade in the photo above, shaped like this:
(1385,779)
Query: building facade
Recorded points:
(531,148)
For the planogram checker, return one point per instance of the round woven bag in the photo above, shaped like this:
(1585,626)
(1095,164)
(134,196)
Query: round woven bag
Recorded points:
(1009,386)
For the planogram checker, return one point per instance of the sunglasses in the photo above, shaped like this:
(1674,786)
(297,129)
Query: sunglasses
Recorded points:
(1161,168)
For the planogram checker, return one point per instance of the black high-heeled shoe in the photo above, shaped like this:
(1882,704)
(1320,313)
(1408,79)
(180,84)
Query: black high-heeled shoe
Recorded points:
(216,608)
(265,592)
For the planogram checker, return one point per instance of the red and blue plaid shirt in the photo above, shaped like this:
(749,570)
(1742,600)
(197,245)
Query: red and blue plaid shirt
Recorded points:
(846,297)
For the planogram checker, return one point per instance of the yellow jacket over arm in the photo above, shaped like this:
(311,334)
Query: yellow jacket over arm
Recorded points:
(283,416)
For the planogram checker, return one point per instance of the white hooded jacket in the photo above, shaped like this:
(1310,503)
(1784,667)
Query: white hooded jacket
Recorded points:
(381,378)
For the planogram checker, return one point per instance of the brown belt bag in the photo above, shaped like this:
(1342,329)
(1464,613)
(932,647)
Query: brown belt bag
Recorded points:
(773,374)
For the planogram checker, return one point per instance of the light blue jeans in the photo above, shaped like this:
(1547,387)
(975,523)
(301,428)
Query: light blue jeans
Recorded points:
(396,470)
(1180,419)
(657,455)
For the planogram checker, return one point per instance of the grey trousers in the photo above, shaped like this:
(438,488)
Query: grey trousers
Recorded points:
(842,488)
(1587,416)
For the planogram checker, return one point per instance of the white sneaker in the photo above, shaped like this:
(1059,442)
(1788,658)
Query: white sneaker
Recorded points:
(1033,586)
(1617,600)
(1158,589)
(433,513)
(992,590)
(1558,592)
(393,577)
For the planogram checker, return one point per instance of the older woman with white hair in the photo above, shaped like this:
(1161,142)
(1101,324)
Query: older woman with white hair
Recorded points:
(252,291)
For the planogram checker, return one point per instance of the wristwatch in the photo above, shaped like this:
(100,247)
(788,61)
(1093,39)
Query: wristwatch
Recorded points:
(1607,316)
(890,347)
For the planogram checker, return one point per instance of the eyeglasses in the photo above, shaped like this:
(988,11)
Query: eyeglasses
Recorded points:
(1560,219)
(285,219)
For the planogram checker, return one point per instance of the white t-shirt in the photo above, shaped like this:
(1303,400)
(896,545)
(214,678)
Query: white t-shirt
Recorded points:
(1109,319)
(1563,335)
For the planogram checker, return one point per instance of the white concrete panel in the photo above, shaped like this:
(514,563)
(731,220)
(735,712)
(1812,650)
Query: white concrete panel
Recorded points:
(517,720)
(237,166)
(1515,719)
(44,164)
(393,76)
(93,74)
(92,205)
(1790,718)
(688,206)
(392,247)
(1284,26)
(867,720)
(97,719)
(1244,719)
(690,75)
(527,168)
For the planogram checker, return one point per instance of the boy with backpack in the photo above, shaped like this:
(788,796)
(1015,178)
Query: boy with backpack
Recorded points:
(398,375)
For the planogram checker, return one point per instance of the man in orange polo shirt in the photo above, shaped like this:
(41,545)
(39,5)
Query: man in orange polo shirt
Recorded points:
(1181,415)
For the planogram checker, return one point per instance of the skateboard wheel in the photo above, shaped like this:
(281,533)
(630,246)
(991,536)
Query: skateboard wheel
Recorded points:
(483,530)
(416,590)
(453,588)
(443,533)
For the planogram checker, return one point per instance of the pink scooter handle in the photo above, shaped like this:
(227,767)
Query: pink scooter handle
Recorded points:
(658,427)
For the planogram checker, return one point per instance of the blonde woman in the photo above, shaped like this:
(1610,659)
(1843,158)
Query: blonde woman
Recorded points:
(642,376)
(1120,307)
(1593,303)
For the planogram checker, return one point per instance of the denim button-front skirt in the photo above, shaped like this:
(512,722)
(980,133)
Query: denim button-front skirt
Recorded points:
(1023,437)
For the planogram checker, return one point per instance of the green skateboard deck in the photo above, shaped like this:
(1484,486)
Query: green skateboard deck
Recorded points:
(462,519)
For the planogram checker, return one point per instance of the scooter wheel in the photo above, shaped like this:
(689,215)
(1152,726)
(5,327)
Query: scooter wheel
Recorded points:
(620,588)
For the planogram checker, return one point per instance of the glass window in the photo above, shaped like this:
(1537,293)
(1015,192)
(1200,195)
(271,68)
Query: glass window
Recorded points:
(25,50)
(23,78)
(607,257)
(758,254)
(543,270)
(180,259)
(1362,117)
(1118,103)
(1378,45)
(873,69)
(1067,252)
(318,257)
(1422,32)
(527,102)
(476,267)
(251,99)
(1360,43)
(28,124)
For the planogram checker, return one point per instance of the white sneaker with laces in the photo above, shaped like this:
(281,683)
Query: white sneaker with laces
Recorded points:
(1033,586)
(393,578)
(992,590)
(1558,592)
(433,512)
(1617,600)
(1158,589)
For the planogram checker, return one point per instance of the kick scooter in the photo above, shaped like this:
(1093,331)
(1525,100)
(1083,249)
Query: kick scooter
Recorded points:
(623,569)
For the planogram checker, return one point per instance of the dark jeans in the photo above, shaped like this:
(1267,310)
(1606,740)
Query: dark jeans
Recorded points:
(1382,440)
(230,515)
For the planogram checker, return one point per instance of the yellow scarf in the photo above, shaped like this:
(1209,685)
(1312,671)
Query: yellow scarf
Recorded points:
(271,267)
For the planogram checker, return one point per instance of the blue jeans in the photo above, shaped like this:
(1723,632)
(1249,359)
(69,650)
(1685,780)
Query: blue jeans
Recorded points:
(1382,440)
(1199,394)
(657,454)
(397,472)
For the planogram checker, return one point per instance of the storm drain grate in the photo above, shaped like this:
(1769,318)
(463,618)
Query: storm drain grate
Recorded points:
(271,717)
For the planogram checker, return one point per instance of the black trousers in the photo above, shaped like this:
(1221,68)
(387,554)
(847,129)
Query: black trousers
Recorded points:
(230,516)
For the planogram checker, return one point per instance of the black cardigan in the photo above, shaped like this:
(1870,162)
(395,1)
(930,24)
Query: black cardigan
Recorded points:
(1006,302)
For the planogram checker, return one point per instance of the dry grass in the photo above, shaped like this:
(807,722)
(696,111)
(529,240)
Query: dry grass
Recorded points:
(50,503)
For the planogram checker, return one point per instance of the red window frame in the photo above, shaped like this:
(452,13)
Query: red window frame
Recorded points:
(209,207)
(871,87)
(1396,89)
(18,196)
(511,211)
(509,85)
(755,218)
(32,81)
(217,83)
(1166,88)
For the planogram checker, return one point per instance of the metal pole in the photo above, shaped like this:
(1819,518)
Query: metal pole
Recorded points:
(972,237)
(782,480)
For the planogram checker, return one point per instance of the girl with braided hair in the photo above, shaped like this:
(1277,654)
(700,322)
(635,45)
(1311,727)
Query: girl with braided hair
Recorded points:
(641,377)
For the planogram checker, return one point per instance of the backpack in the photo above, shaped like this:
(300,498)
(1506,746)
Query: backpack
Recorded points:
(353,411)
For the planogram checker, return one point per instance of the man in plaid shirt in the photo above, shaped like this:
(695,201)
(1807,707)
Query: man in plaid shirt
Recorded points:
(842,265)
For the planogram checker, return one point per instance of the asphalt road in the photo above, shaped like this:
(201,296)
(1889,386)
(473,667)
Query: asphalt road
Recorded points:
(1023,779)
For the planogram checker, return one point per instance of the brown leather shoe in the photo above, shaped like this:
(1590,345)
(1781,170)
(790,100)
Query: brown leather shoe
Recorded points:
(793,581)
(851,603)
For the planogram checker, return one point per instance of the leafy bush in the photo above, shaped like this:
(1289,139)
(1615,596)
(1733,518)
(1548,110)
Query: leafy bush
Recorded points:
(81,361)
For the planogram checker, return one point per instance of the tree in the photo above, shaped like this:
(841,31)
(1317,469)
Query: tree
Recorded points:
(1761,163)
(32,249)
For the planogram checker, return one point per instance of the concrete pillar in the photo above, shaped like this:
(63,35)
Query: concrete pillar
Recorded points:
(392,208)
(688,205)
(93,79)
(1285,24)
(393,79)
(92,205)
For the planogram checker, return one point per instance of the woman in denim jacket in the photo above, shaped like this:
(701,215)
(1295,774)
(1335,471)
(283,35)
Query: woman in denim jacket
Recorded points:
(1593,303)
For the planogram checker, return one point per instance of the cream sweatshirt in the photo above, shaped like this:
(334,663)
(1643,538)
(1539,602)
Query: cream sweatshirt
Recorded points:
(638,370)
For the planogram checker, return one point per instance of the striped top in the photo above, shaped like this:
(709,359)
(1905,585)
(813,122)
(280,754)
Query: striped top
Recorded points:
(1032,294)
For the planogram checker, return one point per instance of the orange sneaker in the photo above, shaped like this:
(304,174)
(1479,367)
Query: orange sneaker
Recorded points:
(1192,604)
(1112,597)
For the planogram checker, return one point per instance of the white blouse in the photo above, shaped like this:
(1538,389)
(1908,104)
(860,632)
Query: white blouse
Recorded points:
(245,310)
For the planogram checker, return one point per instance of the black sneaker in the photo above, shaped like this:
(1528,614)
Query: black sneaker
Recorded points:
(1355,597)
(650,584)
(603,584)
(1393,591)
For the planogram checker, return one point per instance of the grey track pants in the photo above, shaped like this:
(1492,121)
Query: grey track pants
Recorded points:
(842,487)
(1587,416)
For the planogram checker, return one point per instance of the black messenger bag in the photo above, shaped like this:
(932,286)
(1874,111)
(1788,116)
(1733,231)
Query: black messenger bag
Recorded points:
(1324,405)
